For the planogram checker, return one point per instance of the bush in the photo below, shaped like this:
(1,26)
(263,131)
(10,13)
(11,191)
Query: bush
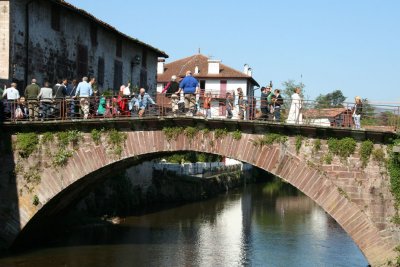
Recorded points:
(61,157)
(343,147)
(26,144)
(172,132)
(237,135)
(365,152)
(220,133)
(96,136)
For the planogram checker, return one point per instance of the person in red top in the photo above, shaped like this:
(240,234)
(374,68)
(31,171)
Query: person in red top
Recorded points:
(207,105)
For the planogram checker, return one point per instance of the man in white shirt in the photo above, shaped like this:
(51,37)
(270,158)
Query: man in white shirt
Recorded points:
(12,92)
(12,97)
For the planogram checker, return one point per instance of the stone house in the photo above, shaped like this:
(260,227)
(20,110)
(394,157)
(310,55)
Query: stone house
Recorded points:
(51,39)
(213,77)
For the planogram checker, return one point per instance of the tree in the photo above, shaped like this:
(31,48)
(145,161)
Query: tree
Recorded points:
(289,87)
(334,99)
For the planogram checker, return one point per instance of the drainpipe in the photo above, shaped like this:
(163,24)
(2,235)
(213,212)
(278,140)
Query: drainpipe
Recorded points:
(27,37)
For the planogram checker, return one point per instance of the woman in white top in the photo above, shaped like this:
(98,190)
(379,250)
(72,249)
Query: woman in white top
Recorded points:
(295,115)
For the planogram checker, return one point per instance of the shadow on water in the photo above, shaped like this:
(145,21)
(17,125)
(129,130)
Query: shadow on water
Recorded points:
(9,208)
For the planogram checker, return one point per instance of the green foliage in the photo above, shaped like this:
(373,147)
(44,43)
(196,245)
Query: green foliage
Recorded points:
(270,139)
(237,135)
(299,142)
(328,158)
(220,133)
(47,137)
(394,172)
(190,132)
(378,155)
(67,137)
(96,136)
(32,176)
(289,87)
(343,147)
(366,149)
(61,157)
(35,200)
(206,131)
(116,140)
(172,132)
(26,144)
(316,145)
(192,157)
(334,99)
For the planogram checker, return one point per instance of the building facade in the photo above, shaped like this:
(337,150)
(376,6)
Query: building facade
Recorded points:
(213,76)
(51,39)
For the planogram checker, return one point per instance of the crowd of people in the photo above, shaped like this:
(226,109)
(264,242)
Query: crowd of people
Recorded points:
(70,100)
(82,100)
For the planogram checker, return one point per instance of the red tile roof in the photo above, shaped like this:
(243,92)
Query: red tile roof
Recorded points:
(107,26)
(179,68)
(324,112)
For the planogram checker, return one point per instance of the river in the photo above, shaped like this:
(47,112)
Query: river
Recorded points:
(260,225)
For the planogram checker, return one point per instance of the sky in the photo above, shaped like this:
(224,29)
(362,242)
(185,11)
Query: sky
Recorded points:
(353,46)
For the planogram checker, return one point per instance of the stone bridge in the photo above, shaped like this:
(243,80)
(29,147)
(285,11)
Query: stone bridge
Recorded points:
(68,158)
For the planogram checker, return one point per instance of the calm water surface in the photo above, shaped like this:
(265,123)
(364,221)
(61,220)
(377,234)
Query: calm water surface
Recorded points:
(261,225)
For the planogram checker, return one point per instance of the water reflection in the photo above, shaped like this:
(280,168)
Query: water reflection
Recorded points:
(261,225)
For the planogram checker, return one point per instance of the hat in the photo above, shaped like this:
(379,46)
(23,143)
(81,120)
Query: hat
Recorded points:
(173,78)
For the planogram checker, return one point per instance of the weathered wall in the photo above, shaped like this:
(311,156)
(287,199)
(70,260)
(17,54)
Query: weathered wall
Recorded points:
(54,54)
(4,39)
(359,199)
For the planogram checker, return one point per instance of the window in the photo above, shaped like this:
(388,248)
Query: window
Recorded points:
(202,87)
(55,17)
(82,61)
(119,48)
(100,71)
(117,74)
(93,34)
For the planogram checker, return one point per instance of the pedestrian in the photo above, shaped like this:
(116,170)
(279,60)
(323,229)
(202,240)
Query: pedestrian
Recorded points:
(190,87)
(46,97)
(229,105)
(12,95)
(295,112)
(171,91)
(207,105)
(143,100)
(31,93)
(94,98)
(241,105)
(70,101)
(357,110)
(277,104)
(84,91)
(59,93)
(101,110)
(264,103)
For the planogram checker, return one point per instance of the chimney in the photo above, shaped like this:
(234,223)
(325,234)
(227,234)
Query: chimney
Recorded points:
(160,66)
(250,72)
(246,69)
(213,66)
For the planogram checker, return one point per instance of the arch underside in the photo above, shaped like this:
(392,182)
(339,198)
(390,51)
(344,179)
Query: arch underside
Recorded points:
(90,164)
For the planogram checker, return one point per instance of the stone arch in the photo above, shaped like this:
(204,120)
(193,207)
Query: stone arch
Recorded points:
(278,159)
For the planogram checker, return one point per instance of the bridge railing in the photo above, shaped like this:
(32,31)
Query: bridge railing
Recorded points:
(308,112)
